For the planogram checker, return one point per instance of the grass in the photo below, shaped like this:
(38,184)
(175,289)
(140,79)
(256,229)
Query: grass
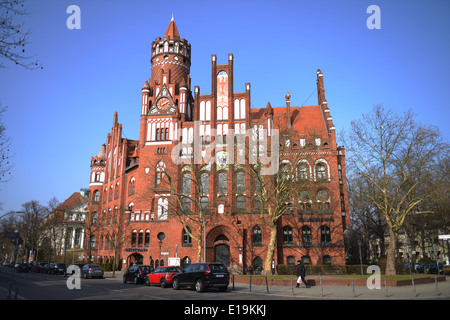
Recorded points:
(354,276)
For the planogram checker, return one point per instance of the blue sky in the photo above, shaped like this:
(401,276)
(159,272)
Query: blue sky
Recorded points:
(59,117)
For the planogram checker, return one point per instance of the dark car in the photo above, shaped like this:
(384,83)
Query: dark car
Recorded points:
(91,271)
(45,268)
(202,276)
(39,266)
(433,268)
(136,273)
(23,267)
(162,276)
(57,268)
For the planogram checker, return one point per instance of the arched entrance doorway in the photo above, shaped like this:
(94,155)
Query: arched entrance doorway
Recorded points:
(135,258)
(222,250)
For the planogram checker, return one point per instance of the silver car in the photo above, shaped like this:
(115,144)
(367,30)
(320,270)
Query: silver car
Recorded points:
(91,271)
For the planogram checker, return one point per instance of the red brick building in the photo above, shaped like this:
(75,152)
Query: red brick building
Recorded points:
(129,204)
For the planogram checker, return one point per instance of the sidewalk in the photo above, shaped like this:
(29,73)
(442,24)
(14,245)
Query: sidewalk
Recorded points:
(429,291)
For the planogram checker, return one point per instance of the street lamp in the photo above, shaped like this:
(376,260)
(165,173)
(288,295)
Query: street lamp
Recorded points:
(203,218)
(360,255)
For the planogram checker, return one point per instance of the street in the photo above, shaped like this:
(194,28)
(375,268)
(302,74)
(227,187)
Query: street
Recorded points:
(37,286)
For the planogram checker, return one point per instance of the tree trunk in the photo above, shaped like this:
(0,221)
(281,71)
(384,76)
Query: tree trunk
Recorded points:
(270,249)
(390,259)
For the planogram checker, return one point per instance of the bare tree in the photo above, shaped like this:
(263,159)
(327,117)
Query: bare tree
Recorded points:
(14,37)
(5,143)
(393,154)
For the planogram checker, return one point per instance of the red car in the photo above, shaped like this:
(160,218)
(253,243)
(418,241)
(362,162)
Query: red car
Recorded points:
(162,276)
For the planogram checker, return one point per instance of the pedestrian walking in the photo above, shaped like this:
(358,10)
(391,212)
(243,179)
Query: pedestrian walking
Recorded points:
(301,272)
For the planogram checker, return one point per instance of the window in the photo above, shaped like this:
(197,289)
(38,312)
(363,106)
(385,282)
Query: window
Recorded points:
(94,219)
(303,171)
(133,238)
(204,183)
(291,260)
(131,186)
(327,260)
(185,204)
(92,242)
(257,235)
(162,208)
(325,235)
(160,168)
(186,183)
(140,238)
(96,196)
(321,172)
(187,240)
(288,235)
(204,203)
(306,235)
(147,238)
(240,202)
(222,182)
(240,182)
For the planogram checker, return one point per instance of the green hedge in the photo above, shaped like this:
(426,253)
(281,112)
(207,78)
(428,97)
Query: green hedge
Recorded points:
(284,269)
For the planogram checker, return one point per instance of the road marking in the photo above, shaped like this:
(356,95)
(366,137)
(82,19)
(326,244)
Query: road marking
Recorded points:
(156,297)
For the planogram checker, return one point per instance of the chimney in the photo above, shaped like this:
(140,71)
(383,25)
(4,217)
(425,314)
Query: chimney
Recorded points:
(288,109)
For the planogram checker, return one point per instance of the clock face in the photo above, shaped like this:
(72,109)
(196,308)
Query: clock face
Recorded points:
(163,103)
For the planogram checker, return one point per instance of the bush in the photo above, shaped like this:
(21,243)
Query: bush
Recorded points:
(291,269)
(447,270)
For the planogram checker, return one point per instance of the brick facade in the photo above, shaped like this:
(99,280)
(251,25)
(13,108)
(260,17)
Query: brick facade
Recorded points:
(129,202)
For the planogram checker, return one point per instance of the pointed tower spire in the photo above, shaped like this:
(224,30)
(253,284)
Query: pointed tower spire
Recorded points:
(172,31)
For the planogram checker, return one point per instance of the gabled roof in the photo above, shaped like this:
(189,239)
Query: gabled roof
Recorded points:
(305,120)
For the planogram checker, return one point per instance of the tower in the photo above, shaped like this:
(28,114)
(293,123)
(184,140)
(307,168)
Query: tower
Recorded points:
(166,96)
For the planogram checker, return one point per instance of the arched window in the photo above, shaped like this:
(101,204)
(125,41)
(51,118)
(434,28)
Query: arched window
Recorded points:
(325,234)
(303,171)
(147,238)
(306,235)
(133,238)
(140,238)
(96,196)
(186,183)
(257,264)
(222,182)
(323,203)
(288,236)
(204,183)
(326,260)
(257,235)
(321,173)
(187,240)
(131,186)
(185,262)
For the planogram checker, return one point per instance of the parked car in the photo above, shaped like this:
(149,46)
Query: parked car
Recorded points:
(202,276)
(420,267)
(23,267)
(433,268)
(92,271)
(57,268)
(44,268)
(79,265)
(162,276)
(136,273)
